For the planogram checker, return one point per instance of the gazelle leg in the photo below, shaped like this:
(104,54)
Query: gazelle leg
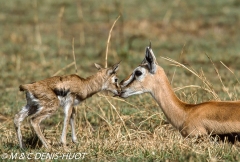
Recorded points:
(68,111)
(35,121)
(72,123)
(17,122)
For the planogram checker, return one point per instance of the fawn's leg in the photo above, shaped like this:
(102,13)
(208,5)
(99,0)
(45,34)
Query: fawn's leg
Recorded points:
(72,123)
(35,122)
(67,113)
(39,116)
(17,122)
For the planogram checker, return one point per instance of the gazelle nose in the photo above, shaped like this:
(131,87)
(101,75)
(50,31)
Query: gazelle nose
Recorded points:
(119,91)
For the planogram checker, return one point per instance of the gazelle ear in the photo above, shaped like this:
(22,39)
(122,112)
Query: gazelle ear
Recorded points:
(98,66)
(144,61)
(113,69)
(150,59)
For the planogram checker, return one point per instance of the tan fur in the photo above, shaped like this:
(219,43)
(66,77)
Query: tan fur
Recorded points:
(46,96)
(190,119)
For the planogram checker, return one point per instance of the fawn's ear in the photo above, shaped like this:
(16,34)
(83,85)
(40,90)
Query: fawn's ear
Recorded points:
(150,59)
(113,69)
(99,67)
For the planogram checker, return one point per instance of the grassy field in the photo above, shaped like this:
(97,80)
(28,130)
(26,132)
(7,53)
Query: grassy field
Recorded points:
(37,39)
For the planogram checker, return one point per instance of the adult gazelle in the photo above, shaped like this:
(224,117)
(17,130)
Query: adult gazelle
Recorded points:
(206,118)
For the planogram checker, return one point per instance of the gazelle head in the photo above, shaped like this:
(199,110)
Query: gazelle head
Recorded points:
(110,80)
(140,80)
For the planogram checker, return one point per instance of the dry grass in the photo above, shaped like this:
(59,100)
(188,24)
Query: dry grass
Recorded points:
(107,133)
(110,136)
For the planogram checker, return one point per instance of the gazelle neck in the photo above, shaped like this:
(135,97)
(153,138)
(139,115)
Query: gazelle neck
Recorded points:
(93,84)
(172,107)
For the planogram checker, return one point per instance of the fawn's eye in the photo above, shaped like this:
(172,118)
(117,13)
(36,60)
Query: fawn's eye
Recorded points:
(116,80)
(138,73)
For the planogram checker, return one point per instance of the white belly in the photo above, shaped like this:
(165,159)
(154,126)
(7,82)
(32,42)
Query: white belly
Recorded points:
(68,100)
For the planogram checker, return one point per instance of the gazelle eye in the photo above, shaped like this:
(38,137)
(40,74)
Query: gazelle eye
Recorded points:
(138,73)
(116,80)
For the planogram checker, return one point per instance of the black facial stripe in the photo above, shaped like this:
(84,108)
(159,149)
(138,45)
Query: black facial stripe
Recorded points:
(131,81)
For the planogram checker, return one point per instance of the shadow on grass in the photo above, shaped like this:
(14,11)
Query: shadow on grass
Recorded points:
(33,142)
(233,138)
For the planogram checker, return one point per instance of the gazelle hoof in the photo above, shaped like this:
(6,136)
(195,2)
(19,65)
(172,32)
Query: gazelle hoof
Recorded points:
(75,141)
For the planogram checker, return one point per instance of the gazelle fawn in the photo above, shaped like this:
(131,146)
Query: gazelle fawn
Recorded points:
(46,96)
(214,118)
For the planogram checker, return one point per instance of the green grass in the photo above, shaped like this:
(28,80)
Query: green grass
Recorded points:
(36,42)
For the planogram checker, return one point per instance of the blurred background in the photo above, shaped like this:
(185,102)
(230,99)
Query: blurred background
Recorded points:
(37,40)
